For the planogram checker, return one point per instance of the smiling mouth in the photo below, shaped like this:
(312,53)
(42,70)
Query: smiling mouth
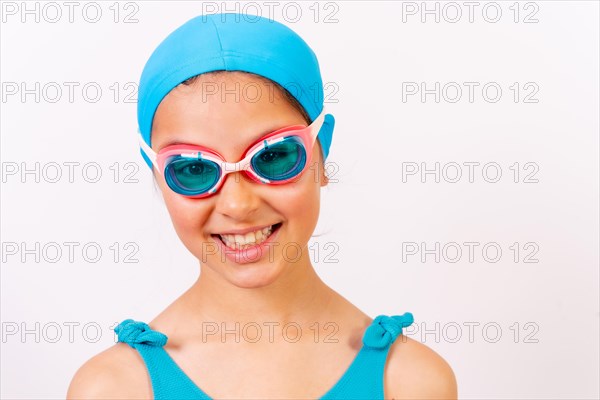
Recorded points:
(248,240)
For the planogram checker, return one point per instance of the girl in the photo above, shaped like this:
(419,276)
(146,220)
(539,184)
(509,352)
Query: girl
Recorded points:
(237,136)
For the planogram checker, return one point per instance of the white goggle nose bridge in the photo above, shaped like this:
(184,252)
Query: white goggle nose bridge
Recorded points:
(244,165)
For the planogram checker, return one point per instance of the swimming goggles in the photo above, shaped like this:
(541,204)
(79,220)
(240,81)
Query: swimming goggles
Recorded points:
(276,158)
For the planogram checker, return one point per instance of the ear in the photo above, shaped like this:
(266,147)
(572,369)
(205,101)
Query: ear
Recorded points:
(324,177)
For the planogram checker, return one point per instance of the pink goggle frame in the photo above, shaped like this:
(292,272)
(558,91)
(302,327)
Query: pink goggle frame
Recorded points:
(307,134)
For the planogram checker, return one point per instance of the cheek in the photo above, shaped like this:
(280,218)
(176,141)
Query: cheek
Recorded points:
(186,212)
(188,216)
(300,201)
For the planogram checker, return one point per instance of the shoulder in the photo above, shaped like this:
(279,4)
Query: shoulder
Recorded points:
(414,371)
(116,373)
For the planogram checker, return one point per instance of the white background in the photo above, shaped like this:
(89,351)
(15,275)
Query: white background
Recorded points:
(547,311)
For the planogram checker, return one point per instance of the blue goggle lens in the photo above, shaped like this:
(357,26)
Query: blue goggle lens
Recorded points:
(190,176)
(280,161)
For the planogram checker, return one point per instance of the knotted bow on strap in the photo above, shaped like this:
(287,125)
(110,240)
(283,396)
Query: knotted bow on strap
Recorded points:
(135,332)
(385,329)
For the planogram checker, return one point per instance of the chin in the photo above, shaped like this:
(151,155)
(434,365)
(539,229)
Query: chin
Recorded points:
(254,276)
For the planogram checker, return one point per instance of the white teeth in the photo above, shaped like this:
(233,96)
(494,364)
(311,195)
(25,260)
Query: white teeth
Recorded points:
(249,239)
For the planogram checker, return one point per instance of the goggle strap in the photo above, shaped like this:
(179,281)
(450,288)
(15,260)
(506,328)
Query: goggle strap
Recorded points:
(318,123)
(147,149)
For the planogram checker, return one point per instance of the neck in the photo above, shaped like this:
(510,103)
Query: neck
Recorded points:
(297,295)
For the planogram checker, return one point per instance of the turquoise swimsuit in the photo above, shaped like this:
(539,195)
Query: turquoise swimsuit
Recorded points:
(362,380)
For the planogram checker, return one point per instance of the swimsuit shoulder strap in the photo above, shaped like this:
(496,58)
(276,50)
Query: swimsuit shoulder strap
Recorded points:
(167,378)
(365,377)
(384,330)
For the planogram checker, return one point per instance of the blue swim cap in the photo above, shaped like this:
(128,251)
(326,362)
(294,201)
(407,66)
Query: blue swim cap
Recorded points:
(233,42)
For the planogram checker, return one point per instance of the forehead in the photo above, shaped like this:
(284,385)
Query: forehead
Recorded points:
(226,112)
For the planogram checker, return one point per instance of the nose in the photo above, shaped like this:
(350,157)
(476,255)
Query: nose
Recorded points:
(237,197)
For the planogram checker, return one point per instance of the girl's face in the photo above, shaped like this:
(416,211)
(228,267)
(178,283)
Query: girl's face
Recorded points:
(228,112)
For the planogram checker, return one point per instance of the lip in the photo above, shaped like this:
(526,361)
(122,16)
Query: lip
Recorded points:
(251,254)
(243,231)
